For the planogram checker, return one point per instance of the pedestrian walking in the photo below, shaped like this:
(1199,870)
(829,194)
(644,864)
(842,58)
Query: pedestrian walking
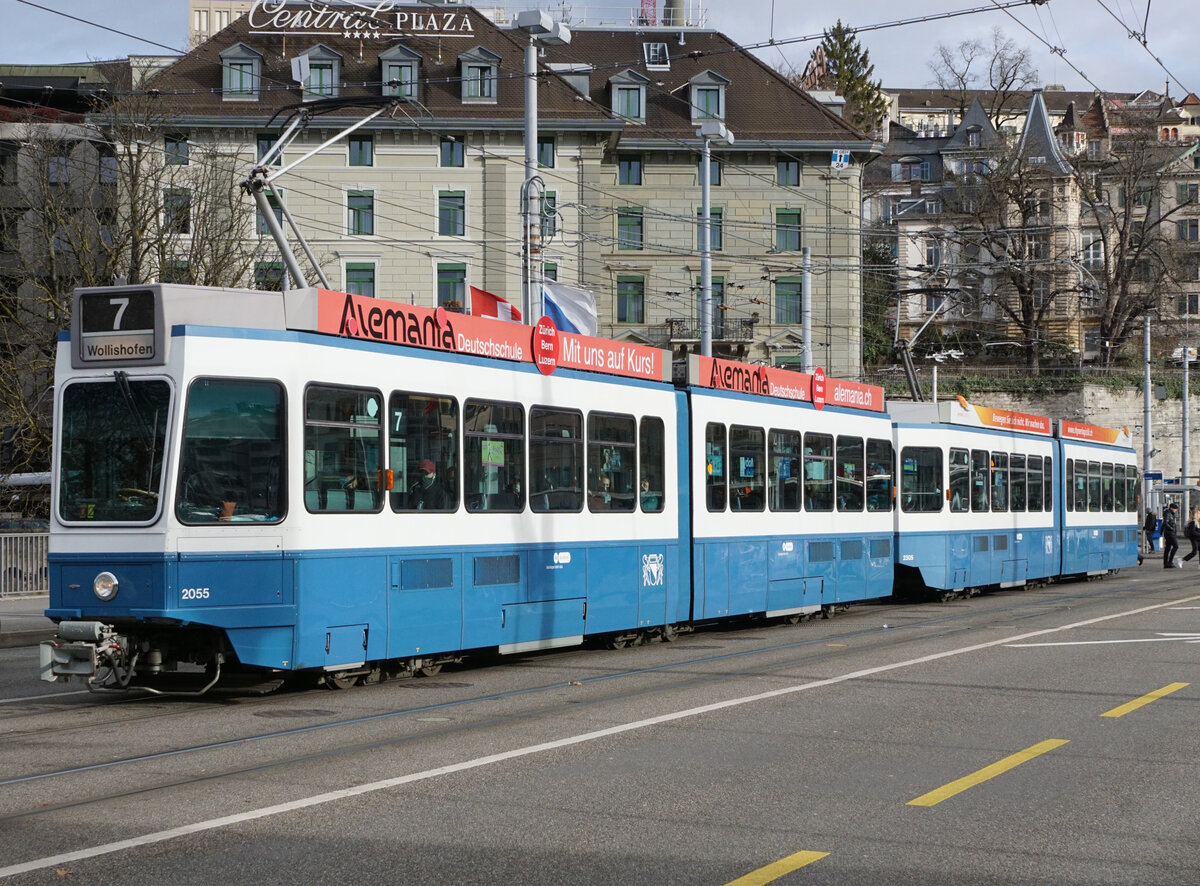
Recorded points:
(1192,533)
(1149,525)
(1170,531)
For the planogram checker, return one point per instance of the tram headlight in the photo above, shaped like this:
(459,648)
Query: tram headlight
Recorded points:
(105,586)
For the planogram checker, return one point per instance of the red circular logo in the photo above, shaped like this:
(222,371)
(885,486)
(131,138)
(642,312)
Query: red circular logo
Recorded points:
(545,345)
(818,388)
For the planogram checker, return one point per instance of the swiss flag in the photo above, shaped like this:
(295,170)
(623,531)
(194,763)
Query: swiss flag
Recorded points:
(484,304)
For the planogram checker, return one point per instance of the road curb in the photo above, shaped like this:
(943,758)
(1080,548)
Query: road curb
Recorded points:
(13,639)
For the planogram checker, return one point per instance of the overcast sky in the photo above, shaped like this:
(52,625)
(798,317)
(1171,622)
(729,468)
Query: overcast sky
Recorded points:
(1087,32)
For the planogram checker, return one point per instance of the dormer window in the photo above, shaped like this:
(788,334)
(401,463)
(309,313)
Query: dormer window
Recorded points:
(241,73)
(478,68)
(657,57)
(973,137)
(324,72)
(399,68)
(707,96)
(628,91)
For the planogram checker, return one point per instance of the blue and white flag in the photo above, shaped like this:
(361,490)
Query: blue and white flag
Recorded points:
(571,309)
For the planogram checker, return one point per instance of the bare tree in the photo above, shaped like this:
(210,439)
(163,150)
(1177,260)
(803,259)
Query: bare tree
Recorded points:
(1002,69)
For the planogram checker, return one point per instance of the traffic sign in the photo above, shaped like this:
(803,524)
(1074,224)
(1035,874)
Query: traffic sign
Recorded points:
(1152,475)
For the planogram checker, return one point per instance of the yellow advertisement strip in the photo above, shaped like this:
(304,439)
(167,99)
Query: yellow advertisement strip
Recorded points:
(987,772)
(1129,706)
(777,869)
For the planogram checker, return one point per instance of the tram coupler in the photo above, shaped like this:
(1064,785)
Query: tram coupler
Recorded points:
(76,650)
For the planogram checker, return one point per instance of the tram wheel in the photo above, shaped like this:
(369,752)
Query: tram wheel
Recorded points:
(827,611)
(341,680)
(669,633)
(429,670)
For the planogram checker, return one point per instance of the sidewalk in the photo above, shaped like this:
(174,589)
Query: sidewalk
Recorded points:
(22,622)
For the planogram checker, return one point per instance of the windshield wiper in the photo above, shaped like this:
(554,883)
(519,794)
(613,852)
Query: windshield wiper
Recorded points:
(122,379)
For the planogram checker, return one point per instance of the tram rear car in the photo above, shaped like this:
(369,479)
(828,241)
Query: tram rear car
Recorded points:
(1101,488)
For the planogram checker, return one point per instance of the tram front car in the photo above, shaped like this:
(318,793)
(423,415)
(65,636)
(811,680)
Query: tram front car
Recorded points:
(143,488)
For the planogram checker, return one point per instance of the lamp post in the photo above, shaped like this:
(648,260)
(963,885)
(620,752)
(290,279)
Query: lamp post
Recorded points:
(709,130)
(541,29)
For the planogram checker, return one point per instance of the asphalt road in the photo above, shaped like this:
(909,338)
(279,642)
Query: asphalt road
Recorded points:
(1024,737)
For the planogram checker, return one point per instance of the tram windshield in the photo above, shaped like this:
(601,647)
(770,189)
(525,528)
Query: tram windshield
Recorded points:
(113,434)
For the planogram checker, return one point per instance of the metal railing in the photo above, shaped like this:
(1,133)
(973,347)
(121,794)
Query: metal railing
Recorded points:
(23,563)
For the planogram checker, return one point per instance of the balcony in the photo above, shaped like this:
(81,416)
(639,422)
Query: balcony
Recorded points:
(684,329)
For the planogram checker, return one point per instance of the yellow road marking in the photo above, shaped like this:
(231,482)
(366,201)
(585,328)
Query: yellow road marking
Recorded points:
(777,869)
(1124,709)
(987,772)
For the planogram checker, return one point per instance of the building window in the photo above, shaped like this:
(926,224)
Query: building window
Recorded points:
(549,214)
(714,171)
(1095,149)
(451,151)
(1187,193)
(479,67)
(260,223)
(933,207)
(629,102)
(175,150)
(973,138)
(452,213)
(58,169)
(109,166)
(657,56)
(933,253)
(915,170)
(550,271)
(1093,250)
(718,306)
(787,173)
(200,21)
(241,71)
(451,285)
(787,300)
(400,79)
(221,17)
(716,239)
(708,103)
(631,299)
(545,151)
(362,150)
(629,229)
(177,211)
(787,230)
(322,80)
(177,271)
(360,278)
(265,144)
(1189,229)
(361,208)
(1189,303)
(934,301)
(629,169)
(268,276)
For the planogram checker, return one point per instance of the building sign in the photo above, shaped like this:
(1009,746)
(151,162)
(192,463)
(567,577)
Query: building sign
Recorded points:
(784,384)
(373,20)
(963,413)
(374,319)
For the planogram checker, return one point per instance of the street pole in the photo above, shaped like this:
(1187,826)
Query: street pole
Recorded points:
(709,130)
(806,356)
(1147,443)
(529,220)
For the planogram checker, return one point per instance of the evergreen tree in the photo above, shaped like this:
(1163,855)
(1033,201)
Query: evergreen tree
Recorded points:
(849,71)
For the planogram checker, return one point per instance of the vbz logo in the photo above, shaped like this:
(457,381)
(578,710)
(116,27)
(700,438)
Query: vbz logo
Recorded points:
(653,570)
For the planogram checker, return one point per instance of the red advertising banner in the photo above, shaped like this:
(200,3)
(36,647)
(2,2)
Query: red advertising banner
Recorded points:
(766,381)
(373,319)
(1077,430)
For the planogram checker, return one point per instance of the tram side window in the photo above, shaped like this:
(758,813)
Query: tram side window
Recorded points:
(343,471)
(1131,488)
(555,459)
(611,462)
(1079,485)
(1036,498)
(1048,484)
(849,473)
(783,481)
(880,473)
(714,466)
(1093,486)
(231,459)
(1069,486)
(920,479)
(423,435)
(746,459)
(494,456)
(999,481)
(1106,488)
(1119,488)
(960,481)
(1016,480)
(981,464)
(818,472)
(651,443)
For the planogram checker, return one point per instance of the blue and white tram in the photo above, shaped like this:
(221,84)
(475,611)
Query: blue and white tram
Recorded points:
(1101,489)
(792,496)
(276,499)
(976,489)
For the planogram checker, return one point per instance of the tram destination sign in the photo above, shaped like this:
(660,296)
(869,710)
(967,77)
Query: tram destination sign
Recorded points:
(116,326)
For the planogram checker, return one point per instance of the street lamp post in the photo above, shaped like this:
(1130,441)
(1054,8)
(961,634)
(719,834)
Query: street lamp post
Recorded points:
(709,130)
(541,29)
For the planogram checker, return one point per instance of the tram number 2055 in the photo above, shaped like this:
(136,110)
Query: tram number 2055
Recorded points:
(195,594)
